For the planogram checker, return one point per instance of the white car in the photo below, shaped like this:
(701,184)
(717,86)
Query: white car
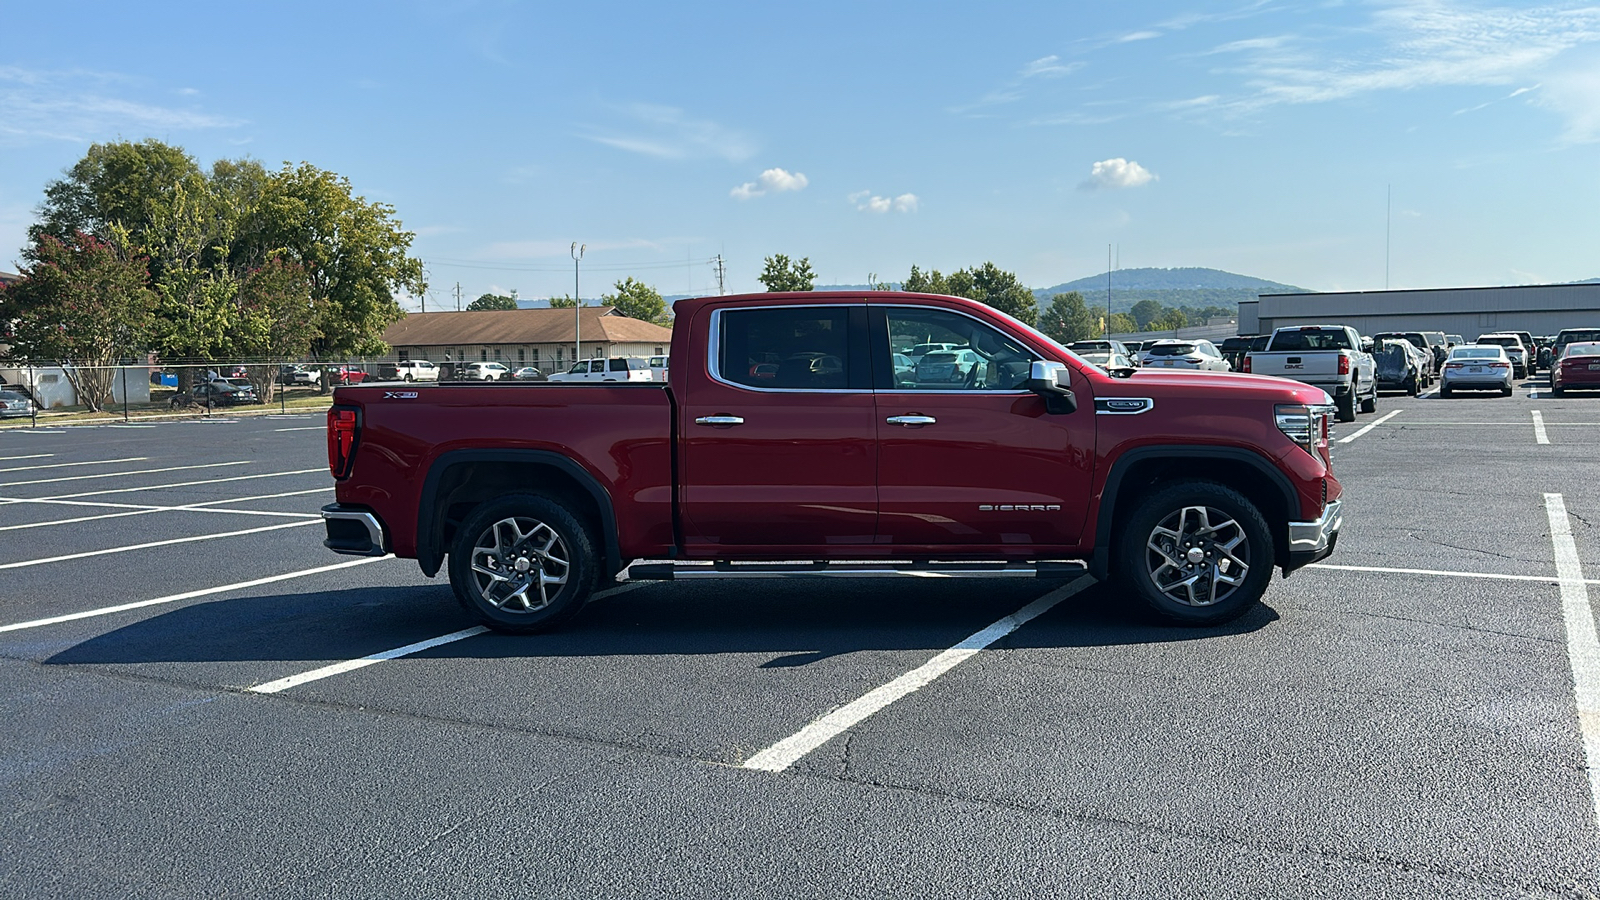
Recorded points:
(482,371)
(416,370)
(1176,354)
(658,367)
(618,369)
(1514,350)
(1478,366)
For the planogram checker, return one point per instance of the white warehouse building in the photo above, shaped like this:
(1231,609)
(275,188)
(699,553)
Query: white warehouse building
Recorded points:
(1539,309)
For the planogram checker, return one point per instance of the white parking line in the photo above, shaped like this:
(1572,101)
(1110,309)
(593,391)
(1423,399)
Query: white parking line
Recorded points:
(167,543)
(188,595)
(273,687)
(1370,425)
(791,749)
(1539,436)
(178,484)
(1583,645)
(1431,392)
(1385,570)
(305,428)
(241,462)
(29,456)
(92,462)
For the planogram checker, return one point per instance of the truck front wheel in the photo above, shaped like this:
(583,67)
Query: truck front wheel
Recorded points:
(523,563)
(1196,553)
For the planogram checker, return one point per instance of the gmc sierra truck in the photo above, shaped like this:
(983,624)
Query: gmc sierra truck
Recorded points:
(787,433)
(1331,357)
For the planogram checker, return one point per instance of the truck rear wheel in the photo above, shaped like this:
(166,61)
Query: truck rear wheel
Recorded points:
(1344,408)
(523,563)
(1196,553)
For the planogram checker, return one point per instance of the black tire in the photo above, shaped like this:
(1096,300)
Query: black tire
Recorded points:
(1173,520)
(1558,391)
(1506,392)
(1444,392)
(1411,386)
(1345,407)
(1370,405)
(527,543)
(408,376)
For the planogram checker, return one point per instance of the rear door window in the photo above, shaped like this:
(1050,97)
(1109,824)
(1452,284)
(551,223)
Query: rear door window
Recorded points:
(789,348)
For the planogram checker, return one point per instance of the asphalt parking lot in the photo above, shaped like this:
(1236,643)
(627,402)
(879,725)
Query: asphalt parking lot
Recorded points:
(202,701)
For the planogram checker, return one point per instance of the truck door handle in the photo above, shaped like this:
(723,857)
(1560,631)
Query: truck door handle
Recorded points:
(719,420)
(912,421)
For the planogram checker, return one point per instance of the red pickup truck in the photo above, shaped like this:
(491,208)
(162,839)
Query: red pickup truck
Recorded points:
(798,427)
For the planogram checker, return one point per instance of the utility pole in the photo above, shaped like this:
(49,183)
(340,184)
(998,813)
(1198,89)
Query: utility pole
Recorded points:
(1106,329)
(721,272)
(458,296)
(577,311)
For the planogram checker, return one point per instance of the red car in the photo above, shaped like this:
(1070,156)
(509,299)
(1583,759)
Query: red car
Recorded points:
(1188,488)
(345,375)
(1579,368)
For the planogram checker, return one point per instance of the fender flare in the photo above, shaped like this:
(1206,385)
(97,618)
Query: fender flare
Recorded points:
(1100,561)
(430,521)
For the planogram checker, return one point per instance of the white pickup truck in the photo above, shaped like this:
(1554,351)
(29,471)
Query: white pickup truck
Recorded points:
(614,369)
(1331,357)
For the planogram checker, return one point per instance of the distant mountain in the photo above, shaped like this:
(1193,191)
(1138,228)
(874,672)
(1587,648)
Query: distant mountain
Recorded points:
(1191,279)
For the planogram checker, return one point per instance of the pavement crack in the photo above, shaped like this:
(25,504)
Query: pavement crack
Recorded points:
(1434,542)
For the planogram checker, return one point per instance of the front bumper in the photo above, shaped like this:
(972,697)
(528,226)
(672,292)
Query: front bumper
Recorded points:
(353,531)
(1314,540)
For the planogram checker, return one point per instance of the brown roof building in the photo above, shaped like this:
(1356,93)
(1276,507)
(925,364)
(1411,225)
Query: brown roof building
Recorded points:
(546,338)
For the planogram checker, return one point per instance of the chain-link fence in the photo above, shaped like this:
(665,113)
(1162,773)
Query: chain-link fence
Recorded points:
(148,390)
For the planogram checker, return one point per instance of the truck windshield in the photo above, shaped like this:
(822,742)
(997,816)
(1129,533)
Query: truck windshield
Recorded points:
(1311,340)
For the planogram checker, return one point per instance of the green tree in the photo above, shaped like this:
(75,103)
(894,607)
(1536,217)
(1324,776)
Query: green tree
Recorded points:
(780,274)
(931,282)
(83,303)
(1122,323)
(274,322)
(1068,319)
(493,301)
(562,302)
(998,288)
(1169,320)
(1144,312)
(637,300)
(354,254)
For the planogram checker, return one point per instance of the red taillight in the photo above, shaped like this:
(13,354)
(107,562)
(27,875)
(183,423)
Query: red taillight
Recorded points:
(341,440)
(1246,367)
(1344,365)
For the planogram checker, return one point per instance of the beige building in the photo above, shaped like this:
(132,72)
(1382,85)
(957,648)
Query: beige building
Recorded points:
(546,338)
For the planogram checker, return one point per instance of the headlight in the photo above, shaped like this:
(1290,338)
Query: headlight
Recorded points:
(1306,424)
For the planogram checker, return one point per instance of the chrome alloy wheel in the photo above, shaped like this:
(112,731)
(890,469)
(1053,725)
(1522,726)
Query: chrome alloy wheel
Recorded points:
(1197,556)
(520,564)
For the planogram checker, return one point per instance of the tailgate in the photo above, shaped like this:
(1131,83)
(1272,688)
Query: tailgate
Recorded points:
(1296,363)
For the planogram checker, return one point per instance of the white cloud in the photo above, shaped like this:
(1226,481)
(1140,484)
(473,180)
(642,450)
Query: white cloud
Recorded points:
(868,202)
(772,181)
(1117,173)
(80,106)
(1049,67)
(666,132)
(1138,36)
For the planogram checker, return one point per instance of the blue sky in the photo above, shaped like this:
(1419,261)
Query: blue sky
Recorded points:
(1257,137)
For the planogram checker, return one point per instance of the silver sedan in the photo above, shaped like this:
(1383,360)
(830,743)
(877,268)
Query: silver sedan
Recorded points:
(1482,366)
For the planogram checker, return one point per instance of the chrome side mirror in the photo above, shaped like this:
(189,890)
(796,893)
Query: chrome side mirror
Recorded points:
(1051,380)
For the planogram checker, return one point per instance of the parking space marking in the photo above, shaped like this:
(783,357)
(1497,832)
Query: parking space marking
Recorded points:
(793,748)
(240,462)
(1385,570)
(273,687)
(304,428)
(158,487)
(1539,435)
(29,456)
(130,509)
(1370,425)
(167,543)
(92,462)
(188,595)
(1583,645)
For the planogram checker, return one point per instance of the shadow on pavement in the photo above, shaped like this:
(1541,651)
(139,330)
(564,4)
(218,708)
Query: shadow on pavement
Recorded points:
(805,622)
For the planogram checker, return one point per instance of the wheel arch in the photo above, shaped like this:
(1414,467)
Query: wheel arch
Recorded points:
(1137,472)
(460,480)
